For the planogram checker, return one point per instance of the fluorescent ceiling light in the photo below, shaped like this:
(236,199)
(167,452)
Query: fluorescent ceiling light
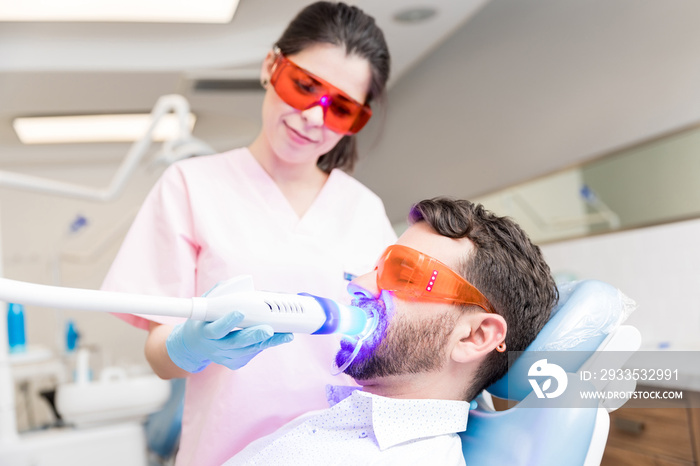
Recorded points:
(95,128)
(156,11)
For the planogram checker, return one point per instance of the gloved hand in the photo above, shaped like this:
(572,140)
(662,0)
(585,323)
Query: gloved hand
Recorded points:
(193,344)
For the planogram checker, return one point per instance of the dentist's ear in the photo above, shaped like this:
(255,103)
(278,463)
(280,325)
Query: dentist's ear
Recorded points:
(266,69)
(476,335)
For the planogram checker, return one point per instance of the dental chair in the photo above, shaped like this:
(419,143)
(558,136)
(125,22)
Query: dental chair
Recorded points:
(584,334)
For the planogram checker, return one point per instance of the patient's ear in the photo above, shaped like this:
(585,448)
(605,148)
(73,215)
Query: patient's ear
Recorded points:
(477,334)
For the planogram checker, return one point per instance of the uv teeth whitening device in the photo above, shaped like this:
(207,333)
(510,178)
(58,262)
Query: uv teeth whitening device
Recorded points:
(302,313)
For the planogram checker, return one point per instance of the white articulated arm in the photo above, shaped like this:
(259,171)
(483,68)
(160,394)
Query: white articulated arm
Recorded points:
(282,311)
(185,144)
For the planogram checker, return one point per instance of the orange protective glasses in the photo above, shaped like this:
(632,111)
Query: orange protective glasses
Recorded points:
(302,90)
(411,274)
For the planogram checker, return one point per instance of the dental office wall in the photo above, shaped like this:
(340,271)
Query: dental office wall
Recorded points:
(656,266)
(533,87)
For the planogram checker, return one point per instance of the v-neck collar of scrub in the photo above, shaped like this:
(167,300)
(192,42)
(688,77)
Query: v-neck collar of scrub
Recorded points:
(275,198)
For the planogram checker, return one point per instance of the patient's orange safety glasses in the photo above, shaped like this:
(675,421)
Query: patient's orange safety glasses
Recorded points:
(302,90)
(411,274)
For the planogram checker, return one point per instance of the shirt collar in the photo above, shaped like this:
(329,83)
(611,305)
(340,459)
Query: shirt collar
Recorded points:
(337,393)
(397,421)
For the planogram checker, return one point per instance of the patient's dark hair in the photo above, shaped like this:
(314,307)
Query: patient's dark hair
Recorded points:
(349,27)
(505,266)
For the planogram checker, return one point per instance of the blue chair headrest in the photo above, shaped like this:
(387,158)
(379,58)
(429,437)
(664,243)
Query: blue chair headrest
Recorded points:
(587,312)
(526,436)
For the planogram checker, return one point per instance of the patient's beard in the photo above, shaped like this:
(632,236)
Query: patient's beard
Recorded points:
(401,347)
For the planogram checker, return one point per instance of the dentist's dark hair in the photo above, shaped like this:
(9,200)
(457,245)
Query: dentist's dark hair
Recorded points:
(347,26)
(505,266)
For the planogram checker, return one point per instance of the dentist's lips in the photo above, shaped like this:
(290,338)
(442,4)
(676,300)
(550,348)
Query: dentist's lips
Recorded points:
(298,137)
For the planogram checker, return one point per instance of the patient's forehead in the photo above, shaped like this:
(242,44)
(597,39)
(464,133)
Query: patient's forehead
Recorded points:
(450,251)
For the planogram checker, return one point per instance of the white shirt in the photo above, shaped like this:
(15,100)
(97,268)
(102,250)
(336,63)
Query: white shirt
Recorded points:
(366,429)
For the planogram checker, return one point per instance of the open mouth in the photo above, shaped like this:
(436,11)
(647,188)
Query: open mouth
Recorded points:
(375,313)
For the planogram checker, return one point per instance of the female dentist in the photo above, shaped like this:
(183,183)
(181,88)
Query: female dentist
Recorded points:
(282,210)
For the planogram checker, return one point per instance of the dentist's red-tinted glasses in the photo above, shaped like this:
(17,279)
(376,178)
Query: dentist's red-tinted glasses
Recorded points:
(413,275)
(302,90)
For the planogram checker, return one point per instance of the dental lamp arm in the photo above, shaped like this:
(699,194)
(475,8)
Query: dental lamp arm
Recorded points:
(184,146)
(208,334)
(284,312)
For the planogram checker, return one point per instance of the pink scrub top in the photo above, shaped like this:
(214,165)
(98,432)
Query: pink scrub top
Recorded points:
(211,218)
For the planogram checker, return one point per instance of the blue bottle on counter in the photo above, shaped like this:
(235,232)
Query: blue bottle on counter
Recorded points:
(72,336)
(15,328)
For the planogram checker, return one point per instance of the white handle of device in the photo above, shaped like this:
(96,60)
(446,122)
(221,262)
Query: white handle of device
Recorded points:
(283,312)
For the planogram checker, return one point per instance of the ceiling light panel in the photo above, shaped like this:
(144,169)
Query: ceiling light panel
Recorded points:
(95,128)
(153,11)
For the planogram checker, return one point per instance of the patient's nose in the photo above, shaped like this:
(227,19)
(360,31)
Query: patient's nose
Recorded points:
(364,286)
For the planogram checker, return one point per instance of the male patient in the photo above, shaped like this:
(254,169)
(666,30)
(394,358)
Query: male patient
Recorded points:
(459,287)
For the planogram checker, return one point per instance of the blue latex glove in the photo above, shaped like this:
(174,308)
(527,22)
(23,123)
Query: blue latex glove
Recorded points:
(193,344)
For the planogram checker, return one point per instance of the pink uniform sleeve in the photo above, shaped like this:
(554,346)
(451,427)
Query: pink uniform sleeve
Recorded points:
(158,255)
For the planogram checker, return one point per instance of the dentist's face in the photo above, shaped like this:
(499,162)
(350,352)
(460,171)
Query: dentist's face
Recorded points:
(300,136)
(412,336)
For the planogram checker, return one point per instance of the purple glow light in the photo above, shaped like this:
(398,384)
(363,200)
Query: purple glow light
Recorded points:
(325,101)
